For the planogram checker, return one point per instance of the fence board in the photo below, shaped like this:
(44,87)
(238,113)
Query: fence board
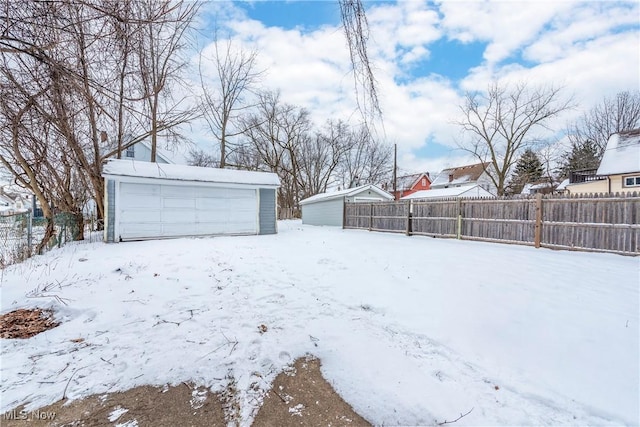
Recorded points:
(605,223)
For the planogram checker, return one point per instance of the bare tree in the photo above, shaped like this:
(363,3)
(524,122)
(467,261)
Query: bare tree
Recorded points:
(366,161)
(277,134)
(198,157)
(160,42)
(502,122)
(356,30)
(610,116)
(235,75)
(320,155)
(66,69)
(50,106)
(23,157)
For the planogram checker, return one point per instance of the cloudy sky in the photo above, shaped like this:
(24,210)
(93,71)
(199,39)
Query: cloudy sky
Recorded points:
(427,54)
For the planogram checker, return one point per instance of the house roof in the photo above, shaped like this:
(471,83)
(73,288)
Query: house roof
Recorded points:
(406,182)
(140,169)
(6,200)
(346,193)
(622,154)
(563,184)
(461,175)
(465,191)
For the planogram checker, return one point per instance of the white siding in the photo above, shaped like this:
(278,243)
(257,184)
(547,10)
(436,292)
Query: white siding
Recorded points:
(143,153)
(485,182)
(366,196)
(328,212)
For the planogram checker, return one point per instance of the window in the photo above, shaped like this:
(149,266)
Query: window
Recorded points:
(131,152)
(424,182)
(632,181)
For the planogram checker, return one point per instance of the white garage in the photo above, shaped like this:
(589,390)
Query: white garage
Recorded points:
(328,208)
(149,201)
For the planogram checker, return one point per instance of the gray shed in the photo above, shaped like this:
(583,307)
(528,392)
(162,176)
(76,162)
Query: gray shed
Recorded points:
(152,201)
(328,208)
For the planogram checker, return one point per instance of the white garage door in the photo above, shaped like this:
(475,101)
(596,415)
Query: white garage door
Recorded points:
(153,210)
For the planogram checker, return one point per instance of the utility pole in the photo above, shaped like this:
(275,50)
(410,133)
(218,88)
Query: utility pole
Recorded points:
(395,171)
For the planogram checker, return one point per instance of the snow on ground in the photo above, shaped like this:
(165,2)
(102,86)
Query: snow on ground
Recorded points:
(410,330)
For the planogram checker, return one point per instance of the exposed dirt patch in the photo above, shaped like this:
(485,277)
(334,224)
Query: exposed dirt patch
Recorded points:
(300,397)
(183,405)
(24,323)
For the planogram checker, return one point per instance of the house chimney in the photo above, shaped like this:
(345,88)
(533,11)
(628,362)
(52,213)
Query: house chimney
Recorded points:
(450,177)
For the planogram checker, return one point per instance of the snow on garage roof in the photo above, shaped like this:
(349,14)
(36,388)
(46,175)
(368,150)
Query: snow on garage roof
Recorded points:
(115,167)
(346,193)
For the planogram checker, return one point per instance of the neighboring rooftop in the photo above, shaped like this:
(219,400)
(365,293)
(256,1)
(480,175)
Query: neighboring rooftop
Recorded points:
(465,191)
(622,154)
(406,182)
(459,175)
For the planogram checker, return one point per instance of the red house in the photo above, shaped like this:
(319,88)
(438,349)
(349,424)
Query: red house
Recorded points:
(408,184)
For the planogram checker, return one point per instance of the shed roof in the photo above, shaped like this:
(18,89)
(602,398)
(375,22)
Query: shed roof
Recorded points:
(622,154)
(133,168)
(346,193)
(473,190)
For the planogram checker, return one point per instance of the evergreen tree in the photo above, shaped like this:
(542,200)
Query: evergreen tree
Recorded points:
(583,155)
(528,169)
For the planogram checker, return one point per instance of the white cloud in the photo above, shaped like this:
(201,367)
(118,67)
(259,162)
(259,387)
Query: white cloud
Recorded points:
(571,44)
(571,31)
(507,26)
(406,26)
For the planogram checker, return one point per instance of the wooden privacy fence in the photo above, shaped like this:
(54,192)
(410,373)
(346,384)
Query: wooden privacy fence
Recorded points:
(600,222)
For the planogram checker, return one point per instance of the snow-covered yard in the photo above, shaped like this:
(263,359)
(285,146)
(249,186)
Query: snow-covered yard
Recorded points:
(410,331)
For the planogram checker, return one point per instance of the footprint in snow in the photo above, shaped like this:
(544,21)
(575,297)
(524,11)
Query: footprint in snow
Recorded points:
(284,357)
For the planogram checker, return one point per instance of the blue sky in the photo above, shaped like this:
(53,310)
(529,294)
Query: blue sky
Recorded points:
(293,14)
(426,55)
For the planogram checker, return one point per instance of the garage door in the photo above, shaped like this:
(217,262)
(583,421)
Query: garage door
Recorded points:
(153,210)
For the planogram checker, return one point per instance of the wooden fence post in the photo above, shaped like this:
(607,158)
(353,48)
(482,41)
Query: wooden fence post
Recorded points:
(538,228)
(408,231)
(370,216)
(344,212)
(459,219)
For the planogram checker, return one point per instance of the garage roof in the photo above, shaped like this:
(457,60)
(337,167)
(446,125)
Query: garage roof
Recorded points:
(121,167)
(346,193)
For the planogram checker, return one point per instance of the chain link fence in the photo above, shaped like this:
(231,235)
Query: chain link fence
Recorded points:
(21,233)
(16,238)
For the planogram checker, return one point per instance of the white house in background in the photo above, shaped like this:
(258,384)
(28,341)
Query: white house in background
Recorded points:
(465,175)
(462,191)
(13,202)
(141,151)
(146,200)
(619,170)
(7,205)
(328,208)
